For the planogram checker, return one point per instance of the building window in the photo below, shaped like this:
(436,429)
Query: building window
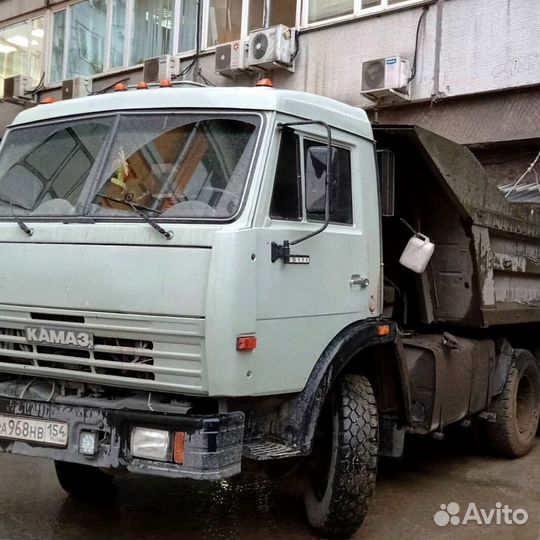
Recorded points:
(152,29)
(280,12)
(188,26)
(118,34)
(228,20)
(317,11)
(366,4)
(87,38)
(328,9)
(21,48)
(224,21)
(58,46)
(96,36)
(79,34)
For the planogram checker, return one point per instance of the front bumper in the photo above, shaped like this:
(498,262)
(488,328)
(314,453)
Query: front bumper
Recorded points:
(213,444)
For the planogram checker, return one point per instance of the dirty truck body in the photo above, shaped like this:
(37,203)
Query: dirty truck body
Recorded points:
(157,316)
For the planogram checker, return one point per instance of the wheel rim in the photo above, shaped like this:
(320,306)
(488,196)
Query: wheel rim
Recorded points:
(525,405)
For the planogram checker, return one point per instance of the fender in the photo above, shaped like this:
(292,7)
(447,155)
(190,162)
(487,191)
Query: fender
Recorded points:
(292,422)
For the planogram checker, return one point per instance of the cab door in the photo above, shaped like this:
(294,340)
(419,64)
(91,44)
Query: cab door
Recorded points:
(301,307)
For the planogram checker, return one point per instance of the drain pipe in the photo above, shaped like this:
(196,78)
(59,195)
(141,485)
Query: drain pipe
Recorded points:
(267,13)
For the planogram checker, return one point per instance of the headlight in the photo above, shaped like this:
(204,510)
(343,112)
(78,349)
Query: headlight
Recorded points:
(150,444)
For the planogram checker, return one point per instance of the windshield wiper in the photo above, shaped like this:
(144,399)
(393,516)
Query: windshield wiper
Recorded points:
(23,226)
(137,209)
(11,205)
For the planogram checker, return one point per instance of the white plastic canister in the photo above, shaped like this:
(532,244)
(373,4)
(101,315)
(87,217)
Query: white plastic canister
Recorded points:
(417,253)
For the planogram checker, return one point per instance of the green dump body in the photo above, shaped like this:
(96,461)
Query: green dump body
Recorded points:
(486,265)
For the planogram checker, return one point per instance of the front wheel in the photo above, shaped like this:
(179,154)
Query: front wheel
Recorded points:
(343,465)
(84,482)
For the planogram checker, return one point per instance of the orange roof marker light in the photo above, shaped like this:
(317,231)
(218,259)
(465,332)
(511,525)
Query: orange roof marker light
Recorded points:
(265,82)
(120,87)
(47,101)
(143,85)
(165,83)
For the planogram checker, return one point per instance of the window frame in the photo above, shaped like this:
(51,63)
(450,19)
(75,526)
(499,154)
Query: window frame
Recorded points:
(336,143)
(358,12)
(299,179)
(244,26)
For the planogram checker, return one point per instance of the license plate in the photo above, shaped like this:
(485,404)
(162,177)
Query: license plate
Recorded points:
(60,337)
(32,430)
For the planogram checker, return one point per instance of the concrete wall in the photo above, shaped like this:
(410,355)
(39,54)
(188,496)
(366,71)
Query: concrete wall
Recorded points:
(511,115)
(489,45)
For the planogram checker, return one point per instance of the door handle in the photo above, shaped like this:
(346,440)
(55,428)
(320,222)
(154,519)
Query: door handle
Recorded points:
(357,279)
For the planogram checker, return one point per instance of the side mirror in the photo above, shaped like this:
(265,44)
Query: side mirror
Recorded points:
(316,162)
(386,161)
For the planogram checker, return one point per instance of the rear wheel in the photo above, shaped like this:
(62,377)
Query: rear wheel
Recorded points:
(517,408)
(343,465)
(82,481)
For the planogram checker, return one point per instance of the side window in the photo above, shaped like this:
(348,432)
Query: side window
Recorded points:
(286,196)
(340,191)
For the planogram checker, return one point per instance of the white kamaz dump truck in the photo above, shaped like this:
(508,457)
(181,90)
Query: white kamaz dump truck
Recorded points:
(194,280)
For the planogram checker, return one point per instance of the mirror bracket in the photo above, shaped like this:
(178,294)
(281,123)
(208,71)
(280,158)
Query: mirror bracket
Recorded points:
(283,251)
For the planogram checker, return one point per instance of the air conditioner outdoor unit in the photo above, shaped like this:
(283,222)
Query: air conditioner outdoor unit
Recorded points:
(18,87)
(76,88)
(272,47)
(230,58)
(160,68)
(386,76)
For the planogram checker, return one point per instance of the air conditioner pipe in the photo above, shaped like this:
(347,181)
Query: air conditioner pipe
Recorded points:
(267,13)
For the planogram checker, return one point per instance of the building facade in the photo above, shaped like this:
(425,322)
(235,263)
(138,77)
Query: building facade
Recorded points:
(476,63)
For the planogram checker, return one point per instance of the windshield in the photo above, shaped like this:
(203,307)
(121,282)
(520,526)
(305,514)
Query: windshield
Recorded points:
(166,165)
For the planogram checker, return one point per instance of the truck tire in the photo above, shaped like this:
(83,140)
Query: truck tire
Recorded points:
(339,487)
(82,481)
(517,408)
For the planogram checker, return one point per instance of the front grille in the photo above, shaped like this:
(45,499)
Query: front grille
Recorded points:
(129,351)
(130,356)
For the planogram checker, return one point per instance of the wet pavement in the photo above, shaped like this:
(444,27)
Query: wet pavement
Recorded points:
(409,492)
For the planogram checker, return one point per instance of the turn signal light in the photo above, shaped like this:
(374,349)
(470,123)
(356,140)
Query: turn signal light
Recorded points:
(383,330)
(142,85)
(246,343)
(165,83)
(120,87)
(47,100)
(179,444)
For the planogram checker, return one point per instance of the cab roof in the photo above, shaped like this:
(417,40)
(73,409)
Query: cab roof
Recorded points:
(299,104)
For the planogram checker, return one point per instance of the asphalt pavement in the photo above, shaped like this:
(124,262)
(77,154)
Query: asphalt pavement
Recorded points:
(409,493)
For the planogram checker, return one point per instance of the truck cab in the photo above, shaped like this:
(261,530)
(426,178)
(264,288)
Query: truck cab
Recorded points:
(191,279)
